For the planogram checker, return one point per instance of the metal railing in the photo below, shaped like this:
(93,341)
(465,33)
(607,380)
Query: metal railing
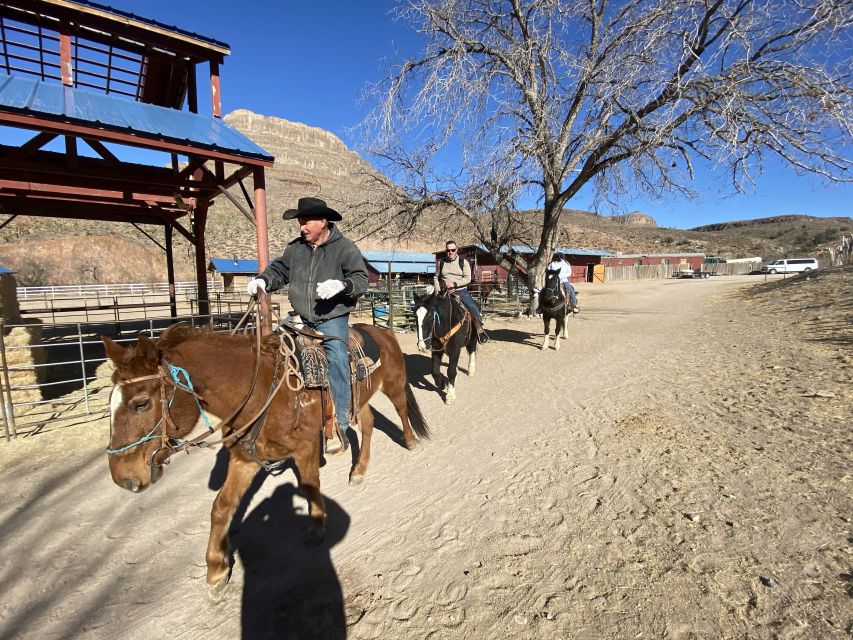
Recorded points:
(126,289)
(52,361)
(56,377)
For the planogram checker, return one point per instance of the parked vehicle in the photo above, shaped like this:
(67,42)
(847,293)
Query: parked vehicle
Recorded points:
(790,265)
(690,273)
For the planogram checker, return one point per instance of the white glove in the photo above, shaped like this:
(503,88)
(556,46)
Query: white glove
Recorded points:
(256,284)
(329,288)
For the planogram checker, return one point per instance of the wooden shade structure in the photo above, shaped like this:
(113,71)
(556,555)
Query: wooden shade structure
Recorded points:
(87,74)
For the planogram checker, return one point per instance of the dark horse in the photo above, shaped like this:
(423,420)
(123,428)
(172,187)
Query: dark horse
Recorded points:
(554,306)
(160,387)
(445,326)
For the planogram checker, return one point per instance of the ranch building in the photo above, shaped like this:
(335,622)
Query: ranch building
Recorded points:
(487,269)
(402,265)
(228,269)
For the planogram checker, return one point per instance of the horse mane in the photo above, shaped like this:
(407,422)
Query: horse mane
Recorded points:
(181,332)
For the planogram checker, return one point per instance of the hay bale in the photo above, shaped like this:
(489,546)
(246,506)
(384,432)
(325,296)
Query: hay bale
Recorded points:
(22,362)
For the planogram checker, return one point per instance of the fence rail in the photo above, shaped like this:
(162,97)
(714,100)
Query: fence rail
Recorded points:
(52,372)
(128,289)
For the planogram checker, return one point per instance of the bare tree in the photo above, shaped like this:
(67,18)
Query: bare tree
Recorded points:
(513,98)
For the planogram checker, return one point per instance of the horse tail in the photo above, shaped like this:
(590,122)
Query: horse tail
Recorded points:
(416,418)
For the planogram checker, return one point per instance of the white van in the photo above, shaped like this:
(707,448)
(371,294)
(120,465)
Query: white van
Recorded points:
(790,265)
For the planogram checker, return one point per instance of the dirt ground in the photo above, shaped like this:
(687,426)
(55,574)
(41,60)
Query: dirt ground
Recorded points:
(681,468)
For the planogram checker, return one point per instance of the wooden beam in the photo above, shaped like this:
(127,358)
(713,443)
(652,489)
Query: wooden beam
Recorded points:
(71,152)
(233,200)
(134,140)
(65,67)
(102,151)
(29,147)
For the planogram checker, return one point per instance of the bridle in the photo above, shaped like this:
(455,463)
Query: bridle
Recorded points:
(436,320)
(169,373)
(556,292)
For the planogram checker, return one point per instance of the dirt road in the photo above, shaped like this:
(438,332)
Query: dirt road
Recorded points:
(681,468)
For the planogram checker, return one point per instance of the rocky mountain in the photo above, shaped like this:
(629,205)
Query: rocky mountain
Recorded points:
(635,219)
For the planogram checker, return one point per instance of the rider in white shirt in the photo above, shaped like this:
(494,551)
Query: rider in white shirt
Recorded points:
(565,268)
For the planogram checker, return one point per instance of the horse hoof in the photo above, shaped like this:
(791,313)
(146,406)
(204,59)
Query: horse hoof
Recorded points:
(414,445)
(450,400)
(356,480)
(216,592)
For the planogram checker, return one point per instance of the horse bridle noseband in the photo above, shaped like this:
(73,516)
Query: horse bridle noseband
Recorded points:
(466,315)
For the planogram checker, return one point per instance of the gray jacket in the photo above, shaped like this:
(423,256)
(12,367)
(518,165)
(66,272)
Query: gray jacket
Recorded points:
(302,267)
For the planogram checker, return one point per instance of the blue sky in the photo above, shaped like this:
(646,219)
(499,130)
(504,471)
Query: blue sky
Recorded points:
(309,62)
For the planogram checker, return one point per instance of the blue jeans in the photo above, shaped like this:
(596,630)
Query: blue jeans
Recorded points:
(337,353)
(468,301)
(570,290)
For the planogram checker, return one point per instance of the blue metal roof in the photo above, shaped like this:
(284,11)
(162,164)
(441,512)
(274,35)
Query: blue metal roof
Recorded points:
(62,104)
(402,267)
(224,265)
(398,256)
(402,262)
(4,270)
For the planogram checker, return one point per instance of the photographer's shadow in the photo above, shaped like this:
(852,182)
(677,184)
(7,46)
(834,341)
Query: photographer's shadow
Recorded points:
(290,590)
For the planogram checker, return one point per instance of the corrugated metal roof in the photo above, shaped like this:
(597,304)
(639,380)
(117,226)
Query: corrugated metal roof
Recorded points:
(224,265)
(30,96)
(402,267)
(398,256)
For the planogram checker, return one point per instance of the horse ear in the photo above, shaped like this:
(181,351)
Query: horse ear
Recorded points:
(115,351)
(147,351)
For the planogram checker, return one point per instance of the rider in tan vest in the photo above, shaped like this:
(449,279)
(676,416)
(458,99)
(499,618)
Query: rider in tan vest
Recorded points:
(453,274)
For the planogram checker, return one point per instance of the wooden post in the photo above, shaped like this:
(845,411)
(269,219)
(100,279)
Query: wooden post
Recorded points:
(170,271)
(262,237)
(65,67)
(215,89)
(390,301)
(192,90)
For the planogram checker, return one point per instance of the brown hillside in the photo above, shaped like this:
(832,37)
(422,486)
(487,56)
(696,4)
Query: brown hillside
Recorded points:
(89,259)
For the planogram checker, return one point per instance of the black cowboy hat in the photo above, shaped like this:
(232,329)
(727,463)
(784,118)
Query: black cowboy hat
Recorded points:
(312,208)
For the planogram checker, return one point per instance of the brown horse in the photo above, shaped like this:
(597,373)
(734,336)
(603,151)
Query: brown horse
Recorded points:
(485,289)
(153,409)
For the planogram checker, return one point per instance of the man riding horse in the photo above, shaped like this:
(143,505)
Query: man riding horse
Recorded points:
(326,274)
(453,275)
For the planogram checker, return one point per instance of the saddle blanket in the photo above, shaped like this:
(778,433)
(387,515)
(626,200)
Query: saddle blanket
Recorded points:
(363,356)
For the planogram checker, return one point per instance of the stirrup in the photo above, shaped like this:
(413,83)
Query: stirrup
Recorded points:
(338,443)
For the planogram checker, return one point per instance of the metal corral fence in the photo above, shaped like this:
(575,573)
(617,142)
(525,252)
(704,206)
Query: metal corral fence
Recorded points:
(109,290)
(53,359)
(395,307)
(53,372)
